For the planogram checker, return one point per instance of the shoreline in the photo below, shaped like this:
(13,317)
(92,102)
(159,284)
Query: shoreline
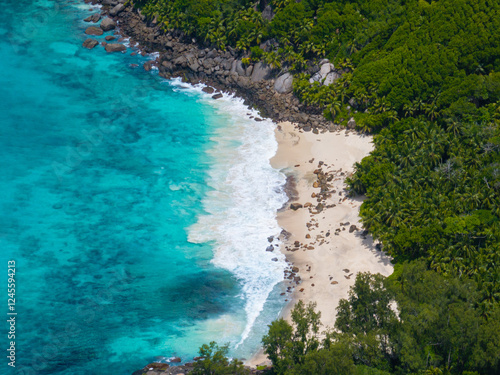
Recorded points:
(327,242)
(322,258)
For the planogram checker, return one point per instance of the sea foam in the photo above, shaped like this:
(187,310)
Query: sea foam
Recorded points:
(242,205)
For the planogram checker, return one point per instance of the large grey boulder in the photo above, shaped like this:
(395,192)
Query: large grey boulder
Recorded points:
(268,13)
(115,47)
(116,10)
(326,74)
(260,71)
(243,82)
(192,62)
(227,64)
(208,63)
(330,78)
(194,66)
(107,24)
(239,68)
(181,60)
(284,83)
(325,69)
(249,70)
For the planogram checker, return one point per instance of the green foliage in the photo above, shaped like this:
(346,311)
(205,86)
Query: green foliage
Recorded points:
(437,328)
(287,345)
(415,322)
(256,53)
(215,362)
(296,349)
(433,193)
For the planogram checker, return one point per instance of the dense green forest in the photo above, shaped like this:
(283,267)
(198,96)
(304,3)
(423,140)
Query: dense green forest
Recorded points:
(424,77)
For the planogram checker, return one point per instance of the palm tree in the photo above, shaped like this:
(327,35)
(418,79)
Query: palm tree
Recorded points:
(454,126)
(334,109)
(431,111)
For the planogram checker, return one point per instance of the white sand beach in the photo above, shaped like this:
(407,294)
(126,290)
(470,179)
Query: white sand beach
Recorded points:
(327,262)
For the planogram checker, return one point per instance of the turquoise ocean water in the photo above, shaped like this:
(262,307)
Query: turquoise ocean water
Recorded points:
(137,210)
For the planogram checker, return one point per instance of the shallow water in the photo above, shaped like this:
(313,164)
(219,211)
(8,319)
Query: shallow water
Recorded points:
(137,210)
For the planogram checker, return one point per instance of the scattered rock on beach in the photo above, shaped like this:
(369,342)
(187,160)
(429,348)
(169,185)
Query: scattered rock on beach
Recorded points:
(90,43)
(270,248)
(93,30)
(352,228)
(295,206)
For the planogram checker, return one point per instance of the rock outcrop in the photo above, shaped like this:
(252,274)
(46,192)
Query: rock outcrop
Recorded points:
(115,47)
(108,24)
(284,83)
(90,43)
(326,73)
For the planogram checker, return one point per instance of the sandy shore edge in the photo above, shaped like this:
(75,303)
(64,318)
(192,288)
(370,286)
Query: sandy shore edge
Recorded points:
(330,252)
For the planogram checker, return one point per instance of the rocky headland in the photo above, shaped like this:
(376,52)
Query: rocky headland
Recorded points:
(264,88)
(166,369)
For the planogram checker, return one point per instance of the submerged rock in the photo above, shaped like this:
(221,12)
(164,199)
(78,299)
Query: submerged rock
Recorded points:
(115,47)
(90,43)
(94,18)
(93,30)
